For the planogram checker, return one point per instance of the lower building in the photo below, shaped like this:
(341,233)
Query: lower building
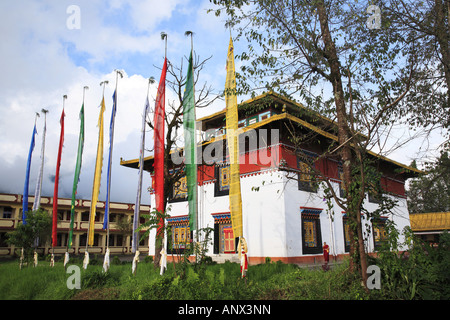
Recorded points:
(284,214)
(120,231)
(429,226)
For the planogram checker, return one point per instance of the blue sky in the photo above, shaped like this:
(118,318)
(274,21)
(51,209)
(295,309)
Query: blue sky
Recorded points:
(43,59)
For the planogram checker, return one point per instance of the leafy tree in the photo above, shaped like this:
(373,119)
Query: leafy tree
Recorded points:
(38,226)
(204,96)
(431,191)
(425,25)
(324,53)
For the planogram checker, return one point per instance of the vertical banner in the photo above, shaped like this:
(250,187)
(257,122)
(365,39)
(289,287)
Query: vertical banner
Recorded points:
(159,143)
(97,175)
(233,145)
(55,191)
(38,190)
(111,139)
(76,177)
(137,205)
(190,143)
(27,177)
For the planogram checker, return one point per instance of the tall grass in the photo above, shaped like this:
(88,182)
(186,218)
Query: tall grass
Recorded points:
(192,282)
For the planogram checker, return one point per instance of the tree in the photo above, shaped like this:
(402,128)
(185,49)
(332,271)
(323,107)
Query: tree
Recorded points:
(38,226)
(426,25)
(324,53)
(204,97)
(431,191)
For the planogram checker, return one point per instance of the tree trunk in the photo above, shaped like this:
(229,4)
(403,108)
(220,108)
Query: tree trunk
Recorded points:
(344,134)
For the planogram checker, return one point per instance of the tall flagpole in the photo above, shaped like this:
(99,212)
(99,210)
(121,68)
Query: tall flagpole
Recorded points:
(38,190)
(97,177)
(158,136)
(55,192)
(111,139)
(27,173)
(76,177)
(189,119)
(108,183)
(137,205)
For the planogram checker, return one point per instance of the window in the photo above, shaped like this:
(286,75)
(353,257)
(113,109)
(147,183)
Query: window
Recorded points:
(311,233)
(179,190)
(181,234)
(346,233)
(306,178)
(7,213)
(222,184)
(85,216)
(224,240)
(379,232)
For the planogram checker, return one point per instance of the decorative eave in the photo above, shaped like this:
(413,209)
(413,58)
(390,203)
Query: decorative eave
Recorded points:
(407,171)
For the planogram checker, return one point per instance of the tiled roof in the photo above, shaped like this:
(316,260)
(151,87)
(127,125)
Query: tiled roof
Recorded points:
(430,221)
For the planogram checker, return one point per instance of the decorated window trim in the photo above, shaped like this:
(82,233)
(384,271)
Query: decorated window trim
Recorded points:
(311,231)
(305,176)
(219,188)
(222,222)
(379,231)
(181,235)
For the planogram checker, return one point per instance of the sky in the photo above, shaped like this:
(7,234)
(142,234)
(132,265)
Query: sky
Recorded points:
(54,48)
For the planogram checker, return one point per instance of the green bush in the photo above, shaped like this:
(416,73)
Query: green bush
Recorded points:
(420,272)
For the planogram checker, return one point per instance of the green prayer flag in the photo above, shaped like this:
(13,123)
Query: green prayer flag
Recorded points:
(77,175)
(190,145)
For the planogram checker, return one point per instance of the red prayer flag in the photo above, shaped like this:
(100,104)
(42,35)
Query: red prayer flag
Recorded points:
(55,192)
(158,164)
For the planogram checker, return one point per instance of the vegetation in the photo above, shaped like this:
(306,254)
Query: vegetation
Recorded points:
(431,191)
(37,229)
(421,272)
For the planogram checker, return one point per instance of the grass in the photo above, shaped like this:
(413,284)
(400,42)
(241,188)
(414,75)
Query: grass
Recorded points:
(274,281)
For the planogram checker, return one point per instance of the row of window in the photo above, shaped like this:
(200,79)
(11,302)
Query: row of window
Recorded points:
(6,212)
(225,242)
(306,181)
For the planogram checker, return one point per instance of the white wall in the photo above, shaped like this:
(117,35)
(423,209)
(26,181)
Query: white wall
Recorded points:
(272,217)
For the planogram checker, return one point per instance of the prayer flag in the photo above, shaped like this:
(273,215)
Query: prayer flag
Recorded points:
(137,204)
(190,149)
(233,145)
(108,182)
(76,177)
(37,192)
(55,192)
(27,178)
(97,175)
(159,144)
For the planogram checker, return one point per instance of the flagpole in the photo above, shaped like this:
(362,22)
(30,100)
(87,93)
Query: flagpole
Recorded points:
(76,178)
(27,173)
(103,83)
(111,137)
(190,33)
(55,192)
(37,193)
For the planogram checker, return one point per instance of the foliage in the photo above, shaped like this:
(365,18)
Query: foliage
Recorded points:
(431,191)
(38,226)
(420,272)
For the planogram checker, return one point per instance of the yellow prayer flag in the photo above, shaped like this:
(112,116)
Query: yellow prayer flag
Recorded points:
(233,146)
(97,175)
